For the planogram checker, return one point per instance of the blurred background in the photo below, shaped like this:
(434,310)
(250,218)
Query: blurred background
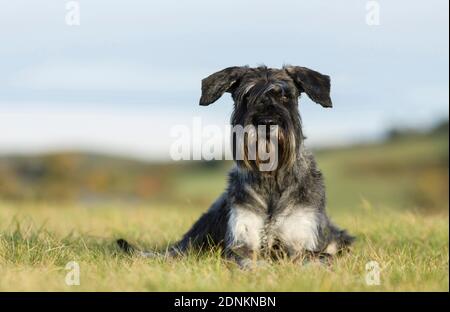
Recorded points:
(86,110)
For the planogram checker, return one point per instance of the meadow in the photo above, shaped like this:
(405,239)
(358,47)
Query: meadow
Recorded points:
(392,196)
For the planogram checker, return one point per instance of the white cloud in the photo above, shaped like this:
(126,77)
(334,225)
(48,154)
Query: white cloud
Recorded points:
(130,133)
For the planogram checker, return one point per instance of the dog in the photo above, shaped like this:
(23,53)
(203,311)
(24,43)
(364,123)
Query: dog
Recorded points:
(282,209)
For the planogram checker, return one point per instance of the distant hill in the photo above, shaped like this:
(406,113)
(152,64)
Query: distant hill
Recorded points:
(441,128)
(73,175)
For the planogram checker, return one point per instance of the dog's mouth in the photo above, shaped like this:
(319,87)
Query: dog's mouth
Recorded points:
(266,146)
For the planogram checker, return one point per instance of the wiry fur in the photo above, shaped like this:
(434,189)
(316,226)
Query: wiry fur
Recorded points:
(283,209)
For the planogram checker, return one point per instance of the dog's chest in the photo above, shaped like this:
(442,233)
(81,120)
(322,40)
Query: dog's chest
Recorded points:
(283,218)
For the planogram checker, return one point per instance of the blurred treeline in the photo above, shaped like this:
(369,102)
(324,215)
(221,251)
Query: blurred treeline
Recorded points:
(408,168)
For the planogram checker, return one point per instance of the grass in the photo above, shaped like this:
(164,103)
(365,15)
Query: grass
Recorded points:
(393,197)
(36,245)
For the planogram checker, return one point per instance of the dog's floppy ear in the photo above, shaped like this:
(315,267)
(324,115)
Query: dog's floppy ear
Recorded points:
(215,85)
(314,84)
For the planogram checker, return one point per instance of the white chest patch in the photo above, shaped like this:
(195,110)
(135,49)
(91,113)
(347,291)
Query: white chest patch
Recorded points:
(299,230)
(245,228)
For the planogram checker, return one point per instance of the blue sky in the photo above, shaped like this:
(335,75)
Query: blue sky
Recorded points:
(118,82)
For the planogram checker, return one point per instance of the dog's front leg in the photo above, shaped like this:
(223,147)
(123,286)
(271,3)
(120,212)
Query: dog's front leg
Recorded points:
(244,235)
(308,231)
(298,229)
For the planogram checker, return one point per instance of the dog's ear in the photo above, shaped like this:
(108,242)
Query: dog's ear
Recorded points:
(314,84)
(215,85)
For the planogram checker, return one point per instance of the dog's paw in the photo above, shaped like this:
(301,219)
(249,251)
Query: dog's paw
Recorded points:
(322,261)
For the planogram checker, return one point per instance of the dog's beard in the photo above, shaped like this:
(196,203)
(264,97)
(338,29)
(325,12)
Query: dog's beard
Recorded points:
(267,152)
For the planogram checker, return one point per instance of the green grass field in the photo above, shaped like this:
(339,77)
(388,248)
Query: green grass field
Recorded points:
(393,197)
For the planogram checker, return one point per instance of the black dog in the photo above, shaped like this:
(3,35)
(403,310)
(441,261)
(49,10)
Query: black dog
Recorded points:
(279,209)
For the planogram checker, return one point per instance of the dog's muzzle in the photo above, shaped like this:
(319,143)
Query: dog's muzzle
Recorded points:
(267,121)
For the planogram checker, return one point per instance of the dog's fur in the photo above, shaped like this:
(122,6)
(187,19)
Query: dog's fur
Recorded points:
(265,211)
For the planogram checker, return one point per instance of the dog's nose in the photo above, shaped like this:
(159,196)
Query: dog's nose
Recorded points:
(266,120)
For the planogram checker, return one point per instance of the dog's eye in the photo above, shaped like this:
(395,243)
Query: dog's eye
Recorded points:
(276,92)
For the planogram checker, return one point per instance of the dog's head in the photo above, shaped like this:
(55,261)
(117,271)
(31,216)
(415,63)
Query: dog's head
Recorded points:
(266,99)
